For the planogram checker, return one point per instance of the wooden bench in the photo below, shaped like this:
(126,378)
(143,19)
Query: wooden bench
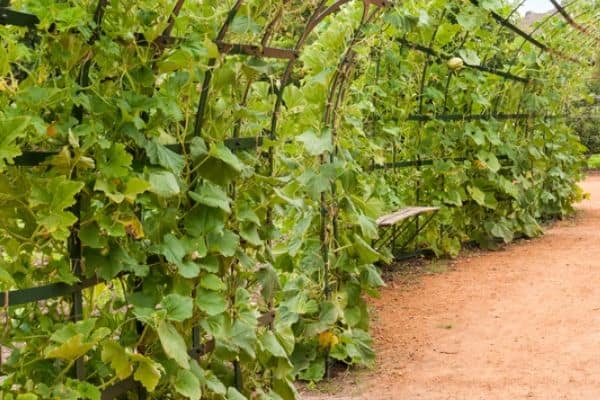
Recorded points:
(394,225)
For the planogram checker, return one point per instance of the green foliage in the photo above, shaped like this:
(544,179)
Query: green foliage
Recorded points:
(211,239)
(594,161)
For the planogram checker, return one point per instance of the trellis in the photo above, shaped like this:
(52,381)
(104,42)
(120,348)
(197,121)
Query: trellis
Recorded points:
(337,92)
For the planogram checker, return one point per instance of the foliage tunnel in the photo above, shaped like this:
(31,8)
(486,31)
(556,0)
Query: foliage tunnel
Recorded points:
(189,190)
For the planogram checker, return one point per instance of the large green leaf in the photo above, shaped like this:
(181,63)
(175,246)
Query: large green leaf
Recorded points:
(114,162)
(164,184)
(178,307)
(212,303)
(188,385)
(173,344)
(211,195)
(314,144)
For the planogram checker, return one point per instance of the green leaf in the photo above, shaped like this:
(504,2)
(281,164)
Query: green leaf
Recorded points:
(270,344)
(87,390)
(222,152)
(6,279)
(188,385)
(57,224)
(173,249)
(27,396)
(224,243)
(188,269)
(243,335)
(56,193)
(164,184)
(470,57)
(10,130)
(213,383)
(368,226)
(366,253)
(477,195)
(198,148)
(212,282)
(233,394)
(202,220)
(315,371)
(91,236)
(114,162)
(173,344)
(75,339)
(211,195)
(490,160)
(178,307)
(316,145)
(220,166)
(110,190)
(249,232)
(163,156)
(212,303)
(135,186)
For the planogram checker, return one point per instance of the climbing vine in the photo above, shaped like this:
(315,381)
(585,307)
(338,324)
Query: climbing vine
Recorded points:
(206,177)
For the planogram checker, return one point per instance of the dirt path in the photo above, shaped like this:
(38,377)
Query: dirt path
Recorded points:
(521,323)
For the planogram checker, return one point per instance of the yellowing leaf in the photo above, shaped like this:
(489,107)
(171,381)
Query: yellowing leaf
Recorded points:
(147,373)
(70,350)
(135,186)
(116,355)
(133,227)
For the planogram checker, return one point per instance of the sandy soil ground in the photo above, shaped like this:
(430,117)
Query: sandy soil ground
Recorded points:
(520,323)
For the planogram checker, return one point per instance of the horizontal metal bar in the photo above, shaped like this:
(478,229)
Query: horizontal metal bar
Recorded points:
(234,144)
(16,18)
(244,143)
(475,117)
(494,71)
(419,163)
(257,51)
(483,68)
(53,290)
(34,158)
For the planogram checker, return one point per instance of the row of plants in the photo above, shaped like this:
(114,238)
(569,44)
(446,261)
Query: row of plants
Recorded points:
(194,242)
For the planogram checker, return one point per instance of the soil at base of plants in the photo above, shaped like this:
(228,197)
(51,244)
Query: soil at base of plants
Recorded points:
(519,323)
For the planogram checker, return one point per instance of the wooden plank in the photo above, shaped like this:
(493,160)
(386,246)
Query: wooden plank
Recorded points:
(405,213)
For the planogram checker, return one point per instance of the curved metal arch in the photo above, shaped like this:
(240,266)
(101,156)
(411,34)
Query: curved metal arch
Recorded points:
(569,19)
(336,91)
(587,40)
(318,16)
(573,31)
(540,25)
